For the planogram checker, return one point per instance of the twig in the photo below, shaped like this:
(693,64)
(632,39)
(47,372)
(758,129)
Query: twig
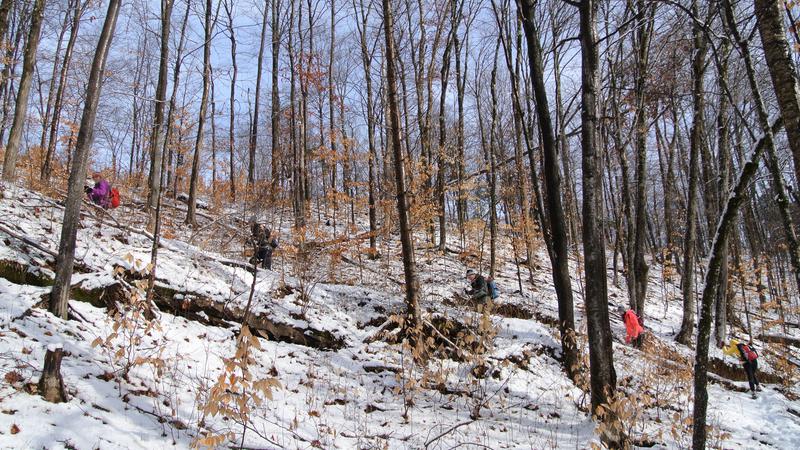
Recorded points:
(446,432)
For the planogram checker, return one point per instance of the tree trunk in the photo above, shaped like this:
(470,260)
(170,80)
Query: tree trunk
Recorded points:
(770,22)
(444,77)
(176,71)
(409,263)
(5,8)
(62,83)
(157,133)
(645,14)
(711,286)
(461,202)
(276,101)
(772,159)
(723,173)
(698,130)
(555,213)
(601,357)
(191,218)
(232,114)
(251,167)
(490,153)
(51,89)
(16,34)
(51,383)
(59,295)
(366,60)
(21,105)
(331,117)
(213,120)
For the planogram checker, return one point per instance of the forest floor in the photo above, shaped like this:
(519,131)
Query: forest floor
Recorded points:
(328,369)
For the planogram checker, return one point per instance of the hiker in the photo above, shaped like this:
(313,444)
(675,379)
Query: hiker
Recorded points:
(270,243)
(633,327)
(263,245)
(749,359)
(100,193)
(479,292)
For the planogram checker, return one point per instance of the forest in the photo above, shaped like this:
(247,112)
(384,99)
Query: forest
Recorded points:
(589,156)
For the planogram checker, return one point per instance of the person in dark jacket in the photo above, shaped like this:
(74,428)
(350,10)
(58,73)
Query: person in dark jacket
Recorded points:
(266,247)
(263,245)
(479,291)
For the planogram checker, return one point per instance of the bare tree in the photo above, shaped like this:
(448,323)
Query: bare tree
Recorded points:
(407,245)
(251,167)
(78,8)
(5,8)
(158,132)
(637,274)
(366,60)
(232,113)
(603,378)
(176,78)
(21,106)
(72,210)
(276,100)
(556,231)
(198,146)
(696,141)
(770,22)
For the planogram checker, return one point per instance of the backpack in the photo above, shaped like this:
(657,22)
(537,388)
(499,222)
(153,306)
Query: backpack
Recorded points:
(749,353)
(114,197)
(492,287)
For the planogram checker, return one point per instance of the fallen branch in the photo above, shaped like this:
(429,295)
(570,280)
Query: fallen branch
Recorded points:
(27,241)
(779,339)
(446,432)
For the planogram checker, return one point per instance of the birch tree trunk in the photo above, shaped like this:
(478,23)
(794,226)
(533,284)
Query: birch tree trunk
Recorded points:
(711,285)
(770,22)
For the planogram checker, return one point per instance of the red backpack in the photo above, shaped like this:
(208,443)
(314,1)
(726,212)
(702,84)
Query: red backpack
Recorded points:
(114,197)
(749,353)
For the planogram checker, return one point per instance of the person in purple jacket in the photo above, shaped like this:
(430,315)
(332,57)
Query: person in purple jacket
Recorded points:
(100,194)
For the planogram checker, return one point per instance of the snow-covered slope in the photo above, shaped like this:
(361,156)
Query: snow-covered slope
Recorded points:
(339,386)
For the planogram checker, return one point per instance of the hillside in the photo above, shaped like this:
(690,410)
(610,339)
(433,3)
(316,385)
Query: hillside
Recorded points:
(326,369)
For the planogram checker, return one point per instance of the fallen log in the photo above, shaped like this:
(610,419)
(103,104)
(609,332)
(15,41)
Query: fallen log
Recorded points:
(780,339)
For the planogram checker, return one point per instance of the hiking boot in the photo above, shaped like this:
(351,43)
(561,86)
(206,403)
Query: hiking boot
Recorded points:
(758,388)
(753,395)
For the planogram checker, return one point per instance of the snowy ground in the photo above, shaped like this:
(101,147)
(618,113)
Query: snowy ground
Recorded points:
(362,395)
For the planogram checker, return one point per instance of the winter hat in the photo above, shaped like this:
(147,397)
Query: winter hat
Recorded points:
(471,272)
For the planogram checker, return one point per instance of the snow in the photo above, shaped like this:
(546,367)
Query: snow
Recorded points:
(366,394)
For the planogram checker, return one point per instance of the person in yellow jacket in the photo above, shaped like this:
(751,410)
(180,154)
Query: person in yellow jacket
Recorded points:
(749,360)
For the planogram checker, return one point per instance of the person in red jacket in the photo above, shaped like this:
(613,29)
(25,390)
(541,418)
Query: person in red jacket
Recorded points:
(633,327)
